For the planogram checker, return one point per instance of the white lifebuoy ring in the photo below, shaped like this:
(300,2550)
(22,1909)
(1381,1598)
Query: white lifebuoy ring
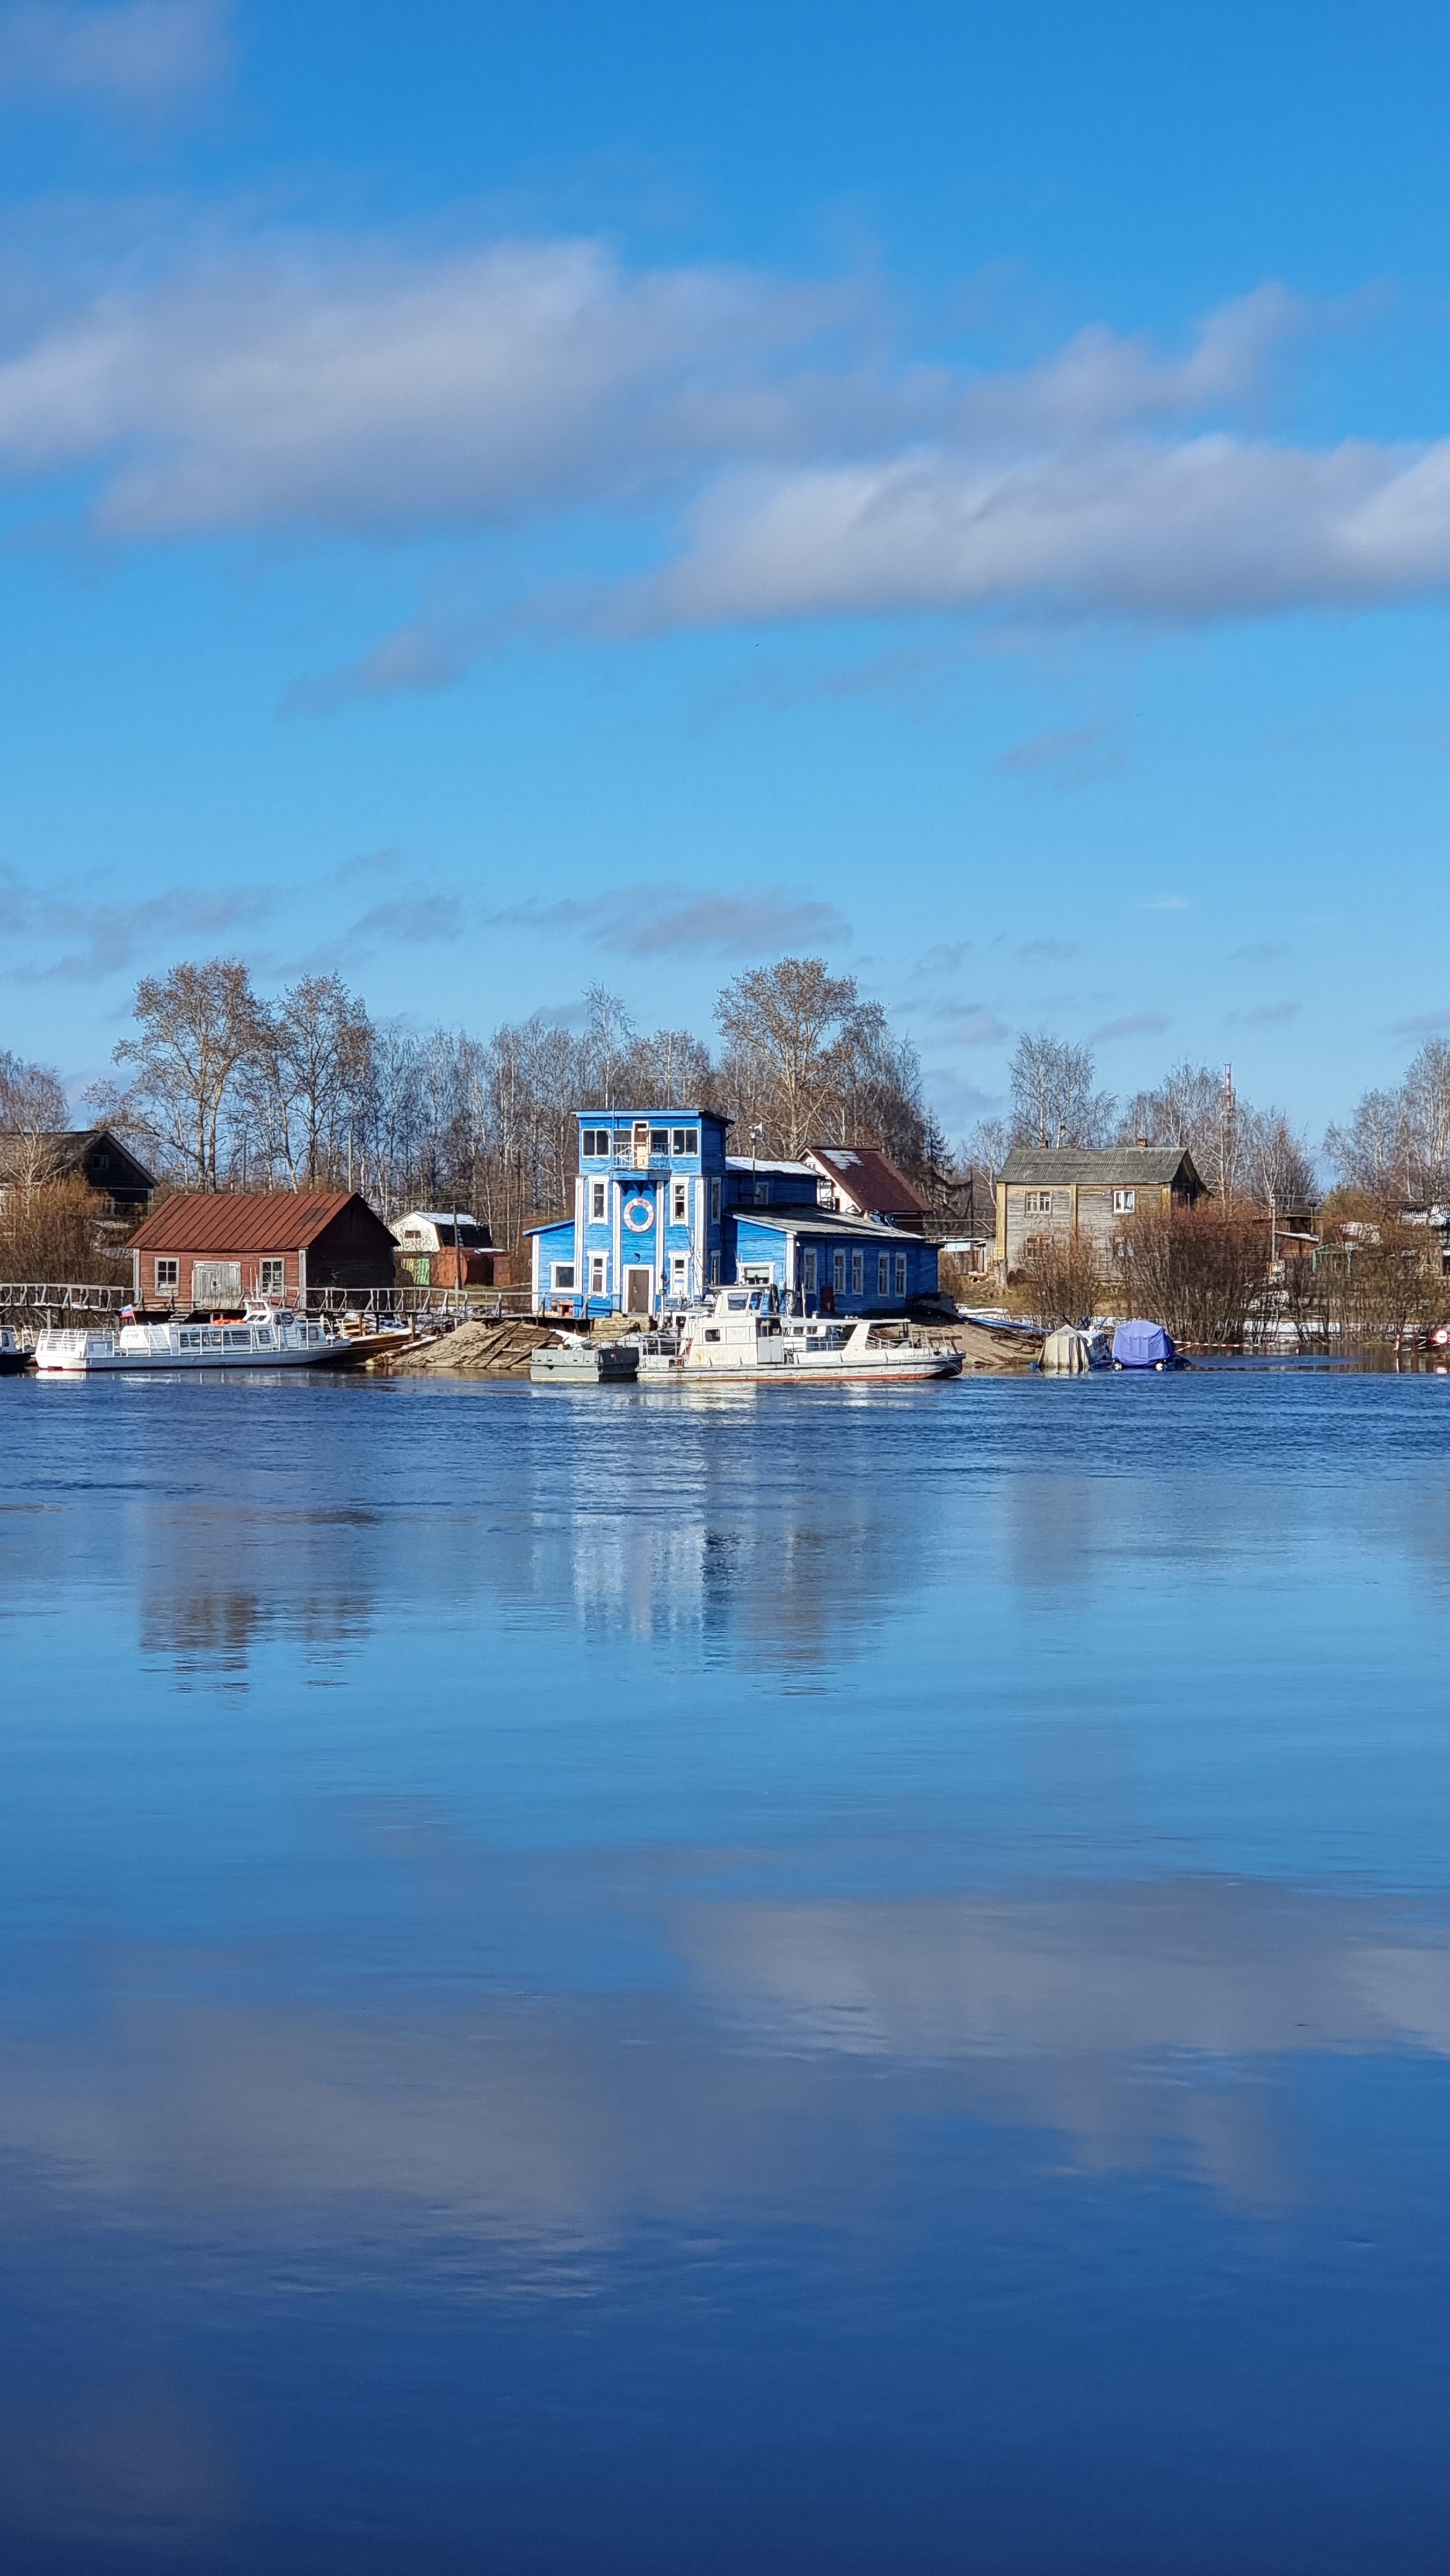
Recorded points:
(639,1215)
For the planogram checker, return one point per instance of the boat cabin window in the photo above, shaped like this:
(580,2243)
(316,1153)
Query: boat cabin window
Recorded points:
(712,1332)
(738,1305)
(238,1339)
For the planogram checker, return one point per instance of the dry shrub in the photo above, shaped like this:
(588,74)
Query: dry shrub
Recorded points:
(1369,1290)
(50,1233)
(1197,1269)
(1057,1280)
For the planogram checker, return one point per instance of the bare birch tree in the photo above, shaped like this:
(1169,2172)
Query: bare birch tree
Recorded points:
(198,1027)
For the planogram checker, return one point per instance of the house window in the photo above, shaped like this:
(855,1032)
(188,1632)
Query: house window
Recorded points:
(686,1140)
(272,1277)
(562,1274)
(679,1203)
(714,1202)
(598,1273)
(883,1274)
(597,1200)
(1038,1202)
(838,1273)
(901,1274)
(168,1276)
(595,1140)
(762,1193)
(659,1140)
(1124,1202)
(858,1273)
(714,1269)
(679,1267)
(808,1270)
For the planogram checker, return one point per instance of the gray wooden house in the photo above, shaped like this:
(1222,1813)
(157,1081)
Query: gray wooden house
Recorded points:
(1081,1190)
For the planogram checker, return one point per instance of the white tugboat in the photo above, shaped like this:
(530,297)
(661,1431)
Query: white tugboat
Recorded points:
(267,1337)
(742,1334)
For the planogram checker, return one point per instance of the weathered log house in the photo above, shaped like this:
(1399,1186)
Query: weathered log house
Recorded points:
(1073,1190)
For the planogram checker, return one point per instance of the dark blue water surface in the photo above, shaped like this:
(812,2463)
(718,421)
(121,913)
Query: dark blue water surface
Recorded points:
(782,1980)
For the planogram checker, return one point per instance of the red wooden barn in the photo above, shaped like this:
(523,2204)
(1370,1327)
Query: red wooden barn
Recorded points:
(214,1248)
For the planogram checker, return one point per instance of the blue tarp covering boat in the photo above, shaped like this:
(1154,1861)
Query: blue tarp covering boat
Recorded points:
(1140,1345)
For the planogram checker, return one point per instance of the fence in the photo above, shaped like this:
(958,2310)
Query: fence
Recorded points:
(45,1301)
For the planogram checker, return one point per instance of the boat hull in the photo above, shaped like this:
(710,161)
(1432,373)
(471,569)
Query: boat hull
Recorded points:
(180,1351)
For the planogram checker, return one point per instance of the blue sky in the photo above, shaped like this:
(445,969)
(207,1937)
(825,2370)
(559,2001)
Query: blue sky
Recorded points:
(494,497)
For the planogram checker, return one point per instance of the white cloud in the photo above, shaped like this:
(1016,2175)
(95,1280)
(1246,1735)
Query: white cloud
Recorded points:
(305,386)
(146,54)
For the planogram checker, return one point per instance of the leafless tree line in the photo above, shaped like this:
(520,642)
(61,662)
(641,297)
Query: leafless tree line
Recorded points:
(1240,1152)
(219,1087)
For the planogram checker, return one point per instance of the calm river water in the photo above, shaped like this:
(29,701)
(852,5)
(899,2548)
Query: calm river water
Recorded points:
(780,1980)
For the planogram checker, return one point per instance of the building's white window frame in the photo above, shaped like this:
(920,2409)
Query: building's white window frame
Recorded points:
(883,1274)
(168,1275)
(1124,1202)
(679,1202)
(272,1275)
(838,1273)
(680,1273)
(562,1278)
(714,1202)
(598,1274)
(598,1202)
(901,1274)
(1037,1202)
(684,1142)
(808,1267)
(858,1274)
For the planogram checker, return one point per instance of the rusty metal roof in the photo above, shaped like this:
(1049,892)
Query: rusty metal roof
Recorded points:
(868,1177)
(245,1220)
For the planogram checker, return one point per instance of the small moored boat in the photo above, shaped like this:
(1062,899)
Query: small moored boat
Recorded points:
(13,1354)
(266,1337)
(742,1334)
(573,1361)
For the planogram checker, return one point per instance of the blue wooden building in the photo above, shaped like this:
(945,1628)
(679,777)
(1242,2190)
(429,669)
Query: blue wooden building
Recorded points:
(662,1213)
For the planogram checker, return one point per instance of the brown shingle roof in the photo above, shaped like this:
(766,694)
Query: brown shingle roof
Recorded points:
(244,1220)
(870,1179)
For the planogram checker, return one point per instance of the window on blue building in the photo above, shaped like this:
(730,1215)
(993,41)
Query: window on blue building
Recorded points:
(808,1270)
(687,1140)
(714,1202)
(597,1199)
(901,1274)
(563,1274)
(598,1274)
(595,1140)
(858,1273)
(762,1193)
(838,1273)
(680,1203)
(659,1140)
(714,1269)
(883,1274)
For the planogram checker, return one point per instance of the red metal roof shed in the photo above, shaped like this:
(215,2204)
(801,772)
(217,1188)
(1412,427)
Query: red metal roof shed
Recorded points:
(212,1247)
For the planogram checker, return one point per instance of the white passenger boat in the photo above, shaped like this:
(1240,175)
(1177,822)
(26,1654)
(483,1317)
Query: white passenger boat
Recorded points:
(267,1338)
(741,1334)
